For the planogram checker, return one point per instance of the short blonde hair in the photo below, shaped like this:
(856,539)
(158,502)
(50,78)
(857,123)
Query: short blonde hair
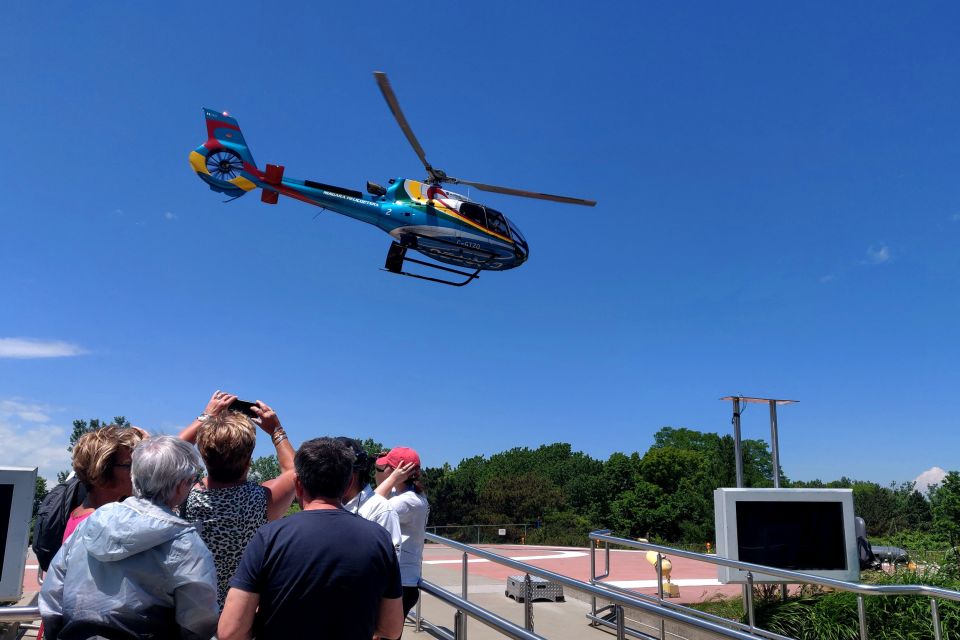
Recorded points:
(95,453)
(226,445)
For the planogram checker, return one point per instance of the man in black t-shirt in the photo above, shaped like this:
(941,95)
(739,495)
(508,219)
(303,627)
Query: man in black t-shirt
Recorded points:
(321,573)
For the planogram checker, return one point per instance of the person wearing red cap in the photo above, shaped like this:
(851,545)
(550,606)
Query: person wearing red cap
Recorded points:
(398,480)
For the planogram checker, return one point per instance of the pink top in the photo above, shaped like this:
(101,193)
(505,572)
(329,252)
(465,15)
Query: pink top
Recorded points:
(73,523)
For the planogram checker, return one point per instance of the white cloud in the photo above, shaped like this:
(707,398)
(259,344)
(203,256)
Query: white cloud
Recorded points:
(167,215)
(25,412)
(31,440)
(24,348)
(955,217)
(827,278)
(933,475)
(878,255)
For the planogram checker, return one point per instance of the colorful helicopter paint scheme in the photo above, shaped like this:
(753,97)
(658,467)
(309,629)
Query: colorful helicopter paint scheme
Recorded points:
(423,216)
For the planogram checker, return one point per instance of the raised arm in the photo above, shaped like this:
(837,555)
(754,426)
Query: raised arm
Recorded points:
(219,401)
(270,423)
(281,488)
(395,479)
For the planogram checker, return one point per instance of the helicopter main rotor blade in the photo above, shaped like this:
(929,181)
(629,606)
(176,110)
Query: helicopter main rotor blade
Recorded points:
(394,105)
(525,194)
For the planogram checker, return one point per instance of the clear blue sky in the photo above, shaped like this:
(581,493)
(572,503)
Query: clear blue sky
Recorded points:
(779,215)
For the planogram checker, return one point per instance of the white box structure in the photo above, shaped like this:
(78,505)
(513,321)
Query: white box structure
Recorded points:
(804,530)
(17,487)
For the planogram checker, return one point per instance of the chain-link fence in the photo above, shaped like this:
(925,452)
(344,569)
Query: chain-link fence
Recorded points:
(485,533)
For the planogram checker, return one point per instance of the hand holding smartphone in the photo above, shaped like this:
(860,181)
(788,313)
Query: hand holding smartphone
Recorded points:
(244,407)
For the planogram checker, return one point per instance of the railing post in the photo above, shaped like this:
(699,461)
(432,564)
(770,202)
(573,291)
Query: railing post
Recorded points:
(748,590)
(621,622)
(528,603)
(862,616)
(593,578)
(463,593)
(419,610)
(458,618)
(935,614)
(663,629)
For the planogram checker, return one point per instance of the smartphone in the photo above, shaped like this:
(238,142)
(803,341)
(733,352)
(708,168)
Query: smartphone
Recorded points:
(243,407)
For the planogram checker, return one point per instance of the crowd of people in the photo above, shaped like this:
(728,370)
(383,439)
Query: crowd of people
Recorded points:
(172,540)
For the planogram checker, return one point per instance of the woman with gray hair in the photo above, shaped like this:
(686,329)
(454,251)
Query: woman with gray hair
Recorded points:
(134,569)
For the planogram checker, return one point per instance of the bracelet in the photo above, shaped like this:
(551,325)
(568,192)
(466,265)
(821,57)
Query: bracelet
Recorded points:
(277,441)
(278,435)
(203,417)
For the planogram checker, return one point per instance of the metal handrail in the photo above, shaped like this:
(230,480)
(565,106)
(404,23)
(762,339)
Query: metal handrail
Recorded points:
(791,576)
(492,620)
(594,590)
(19,614)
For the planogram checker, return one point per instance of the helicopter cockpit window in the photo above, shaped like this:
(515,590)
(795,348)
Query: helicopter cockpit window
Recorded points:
(495,222)
(517,235)
(475,212)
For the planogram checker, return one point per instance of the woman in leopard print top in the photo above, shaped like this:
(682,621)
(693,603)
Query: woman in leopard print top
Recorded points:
(227,508)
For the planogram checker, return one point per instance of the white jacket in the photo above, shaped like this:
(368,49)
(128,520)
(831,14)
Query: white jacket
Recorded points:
(131,569)
(372,506)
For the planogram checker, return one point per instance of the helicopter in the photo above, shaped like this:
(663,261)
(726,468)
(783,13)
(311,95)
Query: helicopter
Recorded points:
(422,216)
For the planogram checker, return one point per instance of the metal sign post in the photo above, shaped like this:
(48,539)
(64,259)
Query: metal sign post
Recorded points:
(774,440)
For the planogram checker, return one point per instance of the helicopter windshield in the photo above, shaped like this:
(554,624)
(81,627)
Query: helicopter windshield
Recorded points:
(517,236)
(496,222)
(475,212)
(485,217)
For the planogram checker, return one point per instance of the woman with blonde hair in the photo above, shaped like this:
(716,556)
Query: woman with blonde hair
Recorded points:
(101,461)
(227,507)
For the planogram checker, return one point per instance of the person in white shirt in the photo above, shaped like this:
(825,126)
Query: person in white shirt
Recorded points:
(361,499)
(398,478)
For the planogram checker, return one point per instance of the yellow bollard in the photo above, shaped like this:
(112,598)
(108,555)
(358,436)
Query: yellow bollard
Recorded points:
(670,590)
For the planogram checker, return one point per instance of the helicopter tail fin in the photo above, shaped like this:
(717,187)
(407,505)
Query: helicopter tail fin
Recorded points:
(223,130)
(224,158)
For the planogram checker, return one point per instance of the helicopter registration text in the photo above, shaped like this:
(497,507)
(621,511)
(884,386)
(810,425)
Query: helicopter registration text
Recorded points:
(350,198)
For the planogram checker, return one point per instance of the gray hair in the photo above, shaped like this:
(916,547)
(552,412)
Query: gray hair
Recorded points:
(160,464)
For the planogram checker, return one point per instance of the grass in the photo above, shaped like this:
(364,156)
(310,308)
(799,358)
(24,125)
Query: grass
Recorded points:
(819,614)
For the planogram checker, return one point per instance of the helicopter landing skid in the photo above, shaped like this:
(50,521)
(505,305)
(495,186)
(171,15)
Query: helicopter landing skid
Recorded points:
(397,255)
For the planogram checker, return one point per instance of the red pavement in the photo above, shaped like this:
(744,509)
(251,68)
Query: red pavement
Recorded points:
(625,567)
(697,580)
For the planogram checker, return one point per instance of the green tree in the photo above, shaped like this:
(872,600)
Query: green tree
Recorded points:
(264,468)
(40,492)
(945,507)
(518,498)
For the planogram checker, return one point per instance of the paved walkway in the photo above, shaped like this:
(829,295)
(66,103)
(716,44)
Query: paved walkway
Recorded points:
(557,621)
